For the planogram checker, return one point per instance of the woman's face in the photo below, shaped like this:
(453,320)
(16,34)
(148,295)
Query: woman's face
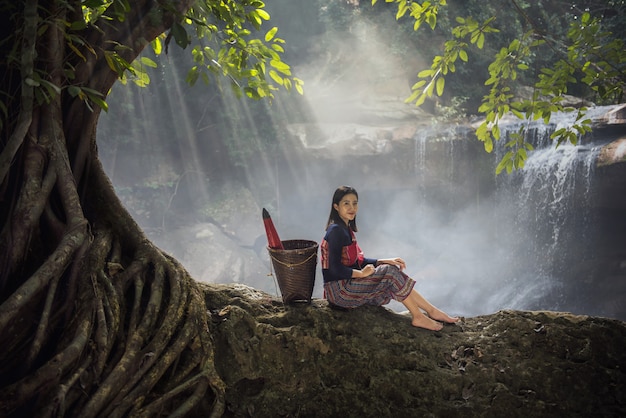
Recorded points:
(347,207)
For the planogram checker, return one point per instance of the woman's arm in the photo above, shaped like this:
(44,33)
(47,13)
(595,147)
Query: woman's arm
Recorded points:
(395,261)
(336,239)
(364,272)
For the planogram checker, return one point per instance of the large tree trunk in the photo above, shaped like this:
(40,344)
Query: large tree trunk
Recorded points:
(94,319)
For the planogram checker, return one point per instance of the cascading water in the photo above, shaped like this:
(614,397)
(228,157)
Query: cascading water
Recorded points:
(526,241)
(549,220)
(559,244)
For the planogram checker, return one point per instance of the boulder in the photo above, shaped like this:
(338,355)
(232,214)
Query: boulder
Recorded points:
(310,360)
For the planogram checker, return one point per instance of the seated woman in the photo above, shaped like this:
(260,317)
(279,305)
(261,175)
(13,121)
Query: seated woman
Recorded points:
(351,280)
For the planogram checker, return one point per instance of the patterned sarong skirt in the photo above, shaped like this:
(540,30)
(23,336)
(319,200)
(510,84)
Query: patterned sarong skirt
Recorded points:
(386,283)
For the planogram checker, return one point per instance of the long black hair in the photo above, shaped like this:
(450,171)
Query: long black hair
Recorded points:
(334,217)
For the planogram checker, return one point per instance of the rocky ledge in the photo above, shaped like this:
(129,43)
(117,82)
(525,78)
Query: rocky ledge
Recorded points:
(310,360)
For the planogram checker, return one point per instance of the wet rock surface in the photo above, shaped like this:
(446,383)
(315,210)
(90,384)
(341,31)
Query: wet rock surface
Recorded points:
(310,360)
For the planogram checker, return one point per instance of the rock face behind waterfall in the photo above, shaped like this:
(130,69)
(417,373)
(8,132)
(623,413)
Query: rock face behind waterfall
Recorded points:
(609,201)
(312,361)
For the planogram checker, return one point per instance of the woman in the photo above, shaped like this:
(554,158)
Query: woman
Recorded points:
(352,280)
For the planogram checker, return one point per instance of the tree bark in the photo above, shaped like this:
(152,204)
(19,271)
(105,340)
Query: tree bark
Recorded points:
(94,319)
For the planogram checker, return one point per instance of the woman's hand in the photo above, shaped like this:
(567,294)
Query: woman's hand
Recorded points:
(396,261)
(367,270)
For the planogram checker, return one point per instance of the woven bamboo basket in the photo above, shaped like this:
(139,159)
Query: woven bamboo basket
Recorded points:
(295,269)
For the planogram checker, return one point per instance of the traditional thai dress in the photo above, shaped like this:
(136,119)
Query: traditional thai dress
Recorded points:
(340,254)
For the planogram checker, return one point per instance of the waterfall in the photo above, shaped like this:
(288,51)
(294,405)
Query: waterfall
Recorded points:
(524,240)
(550,218)
(555,183)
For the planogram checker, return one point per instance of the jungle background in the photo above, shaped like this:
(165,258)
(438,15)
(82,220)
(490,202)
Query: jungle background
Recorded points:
(96,320)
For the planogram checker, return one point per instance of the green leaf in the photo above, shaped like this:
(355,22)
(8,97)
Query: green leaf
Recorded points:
(281,66)
(488,143)
(101,103)
(425,73)
(148,62)
(250,73)
(509,167)
(263,14)
(73,90)
(481,41)
(256,20)
(180,35)
(484,107)
(52,88)
(517,113)
(78,25)
(76,51)
(482,133)
(432,20)
(251,93)
(192,75)
(91,92)
(440,85)
(402,8)
(270,34)
(503,162)
(278,48)
(430,88)
(495,131)
(157,46)
(418,84)
(277,78)
(299,88)
(412,97)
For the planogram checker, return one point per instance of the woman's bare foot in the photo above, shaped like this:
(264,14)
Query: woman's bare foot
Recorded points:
(439,315)
(422,321)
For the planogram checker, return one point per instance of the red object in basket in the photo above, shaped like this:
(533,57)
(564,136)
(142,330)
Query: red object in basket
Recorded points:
(272,236)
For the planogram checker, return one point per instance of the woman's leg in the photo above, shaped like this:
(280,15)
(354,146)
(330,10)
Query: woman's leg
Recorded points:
(432,311)
(419,319)
(415,303)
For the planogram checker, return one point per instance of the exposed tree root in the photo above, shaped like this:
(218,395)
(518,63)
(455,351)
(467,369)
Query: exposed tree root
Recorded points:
(133,331)
(94,320)
(107,325)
